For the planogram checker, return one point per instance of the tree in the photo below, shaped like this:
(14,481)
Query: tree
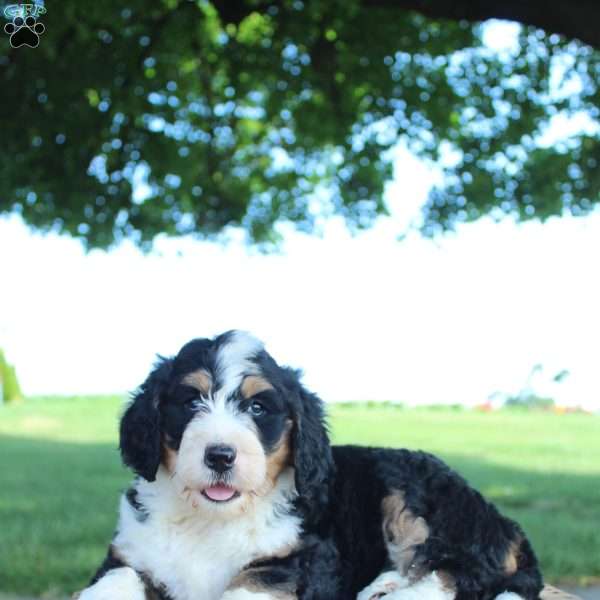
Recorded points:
(9,384)
(253,112)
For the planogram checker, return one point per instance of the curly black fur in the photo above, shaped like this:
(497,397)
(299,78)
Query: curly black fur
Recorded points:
(140,432)
(340,493)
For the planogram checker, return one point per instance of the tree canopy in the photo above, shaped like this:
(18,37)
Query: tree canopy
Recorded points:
(181,116)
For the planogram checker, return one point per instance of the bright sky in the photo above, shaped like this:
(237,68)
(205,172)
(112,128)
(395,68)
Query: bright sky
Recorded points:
(367,318)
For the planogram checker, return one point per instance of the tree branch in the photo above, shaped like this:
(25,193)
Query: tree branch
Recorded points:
(574,19)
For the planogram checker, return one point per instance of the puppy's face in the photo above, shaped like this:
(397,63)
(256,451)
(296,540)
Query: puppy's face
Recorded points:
(225,423)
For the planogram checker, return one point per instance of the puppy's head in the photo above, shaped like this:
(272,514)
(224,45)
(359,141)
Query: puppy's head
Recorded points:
(225,421)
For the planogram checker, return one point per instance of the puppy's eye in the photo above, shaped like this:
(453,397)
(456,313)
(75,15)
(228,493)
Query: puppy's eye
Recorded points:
(256,409)
(193,402)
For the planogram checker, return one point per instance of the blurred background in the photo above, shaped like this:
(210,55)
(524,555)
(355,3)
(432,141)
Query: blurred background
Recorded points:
(398,198)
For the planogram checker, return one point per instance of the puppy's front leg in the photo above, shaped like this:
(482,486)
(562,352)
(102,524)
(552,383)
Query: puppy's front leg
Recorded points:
(262,583)
(117,584)
(390,585)
(244,594)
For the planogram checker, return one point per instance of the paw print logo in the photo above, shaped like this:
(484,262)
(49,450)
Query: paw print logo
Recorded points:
(24,32)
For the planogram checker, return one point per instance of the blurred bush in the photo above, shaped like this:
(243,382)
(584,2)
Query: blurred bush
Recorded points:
(529,401)
(10,390)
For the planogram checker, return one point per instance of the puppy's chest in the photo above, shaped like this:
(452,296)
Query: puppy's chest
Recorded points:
(192,562)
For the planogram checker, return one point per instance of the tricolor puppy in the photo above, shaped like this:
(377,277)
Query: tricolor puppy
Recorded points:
(240,496)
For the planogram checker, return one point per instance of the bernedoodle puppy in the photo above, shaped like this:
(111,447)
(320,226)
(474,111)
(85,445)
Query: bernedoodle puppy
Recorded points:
(240,496)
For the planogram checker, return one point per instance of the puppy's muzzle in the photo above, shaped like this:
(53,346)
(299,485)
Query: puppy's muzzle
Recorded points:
(220,457)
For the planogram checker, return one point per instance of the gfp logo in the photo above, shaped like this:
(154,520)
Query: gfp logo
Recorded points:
(24,29)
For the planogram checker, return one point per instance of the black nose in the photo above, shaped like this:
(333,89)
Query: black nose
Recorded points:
(219,457)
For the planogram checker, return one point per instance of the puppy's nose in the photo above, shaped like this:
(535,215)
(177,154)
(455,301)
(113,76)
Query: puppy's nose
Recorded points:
(219,457)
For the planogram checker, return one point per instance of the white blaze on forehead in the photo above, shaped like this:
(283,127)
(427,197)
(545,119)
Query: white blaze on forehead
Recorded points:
(234,360)
(219,421)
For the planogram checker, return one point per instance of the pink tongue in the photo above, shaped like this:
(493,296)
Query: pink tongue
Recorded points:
(219,493)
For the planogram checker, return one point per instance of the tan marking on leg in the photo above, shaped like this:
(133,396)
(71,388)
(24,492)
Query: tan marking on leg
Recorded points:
(386,583)
(511,561)
(254,384)
(250,580)
(402,532)
(200,379)
(447,581)
(115,553)
(152,594)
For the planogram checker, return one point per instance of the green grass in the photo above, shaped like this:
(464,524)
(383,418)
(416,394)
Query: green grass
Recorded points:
(61,475)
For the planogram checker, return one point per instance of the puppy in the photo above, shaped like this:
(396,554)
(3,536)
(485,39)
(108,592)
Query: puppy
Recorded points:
(240,496)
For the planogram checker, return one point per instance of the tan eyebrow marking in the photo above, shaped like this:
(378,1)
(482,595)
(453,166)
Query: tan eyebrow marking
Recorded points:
(200,379)
(254,384)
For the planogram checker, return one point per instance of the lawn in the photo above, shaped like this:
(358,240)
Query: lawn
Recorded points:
(61,476)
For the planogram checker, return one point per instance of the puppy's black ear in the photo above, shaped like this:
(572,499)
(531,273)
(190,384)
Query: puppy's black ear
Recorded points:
(140,425)
(313,461)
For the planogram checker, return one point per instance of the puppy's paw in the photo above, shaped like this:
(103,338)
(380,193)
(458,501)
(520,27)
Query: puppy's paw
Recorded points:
(118,584)
(392,586)
(243,594)
(385,584)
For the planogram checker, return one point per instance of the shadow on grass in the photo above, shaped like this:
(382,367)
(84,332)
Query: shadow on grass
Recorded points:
(58,506)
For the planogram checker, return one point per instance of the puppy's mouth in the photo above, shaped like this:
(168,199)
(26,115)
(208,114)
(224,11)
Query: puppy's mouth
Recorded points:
(220,493)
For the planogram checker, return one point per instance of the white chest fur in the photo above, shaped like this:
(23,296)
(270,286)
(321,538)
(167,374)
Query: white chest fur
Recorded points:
(195,556)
